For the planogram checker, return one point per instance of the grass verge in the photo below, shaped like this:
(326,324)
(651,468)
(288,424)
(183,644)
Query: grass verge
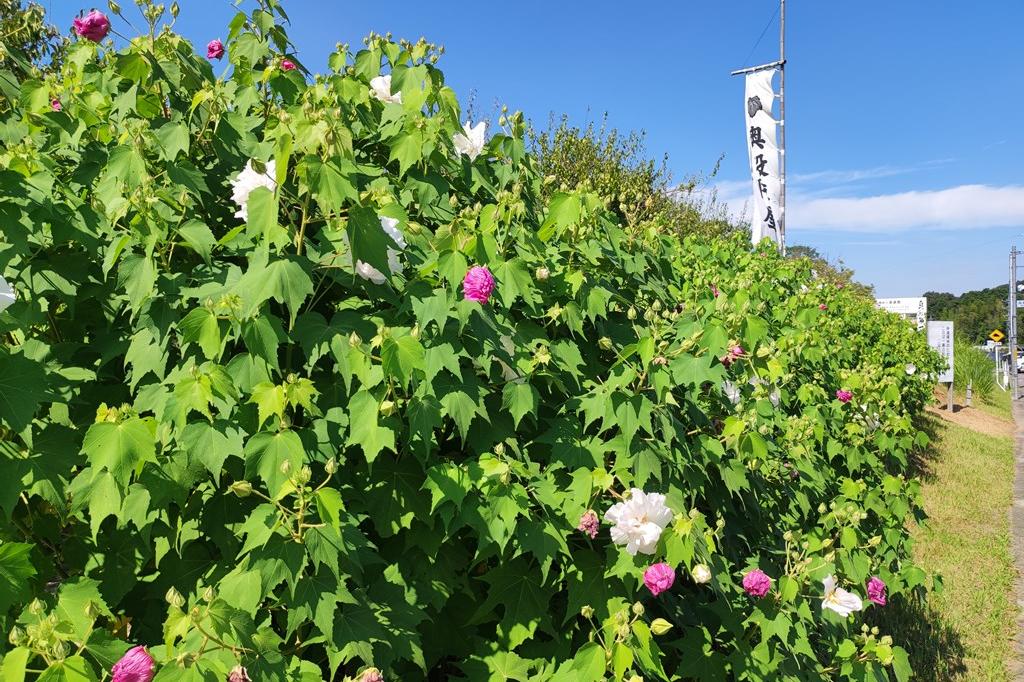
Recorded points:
(964,631)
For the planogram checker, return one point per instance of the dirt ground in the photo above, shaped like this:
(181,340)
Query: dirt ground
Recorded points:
(972,418)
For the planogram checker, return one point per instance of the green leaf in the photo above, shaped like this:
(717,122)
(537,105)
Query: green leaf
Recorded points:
(519,399)
(400,356)
(270,399)
(22,388)
(365,431)
(71,669)
(15,570)
(202,327)
(563,211)
(73,602)
(14,664)
(121,447)
(199,238)
(330,182)
(330,506)
(515,587)
(285,280)
(173,139)
(407,149)
(266,452)
(368,241)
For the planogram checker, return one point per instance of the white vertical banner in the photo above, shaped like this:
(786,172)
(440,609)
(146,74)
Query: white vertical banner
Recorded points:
(763,152)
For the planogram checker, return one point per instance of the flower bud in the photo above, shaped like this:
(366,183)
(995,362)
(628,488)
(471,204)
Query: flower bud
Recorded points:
(16,636)
(241,488)
(587,611)
(605,343)
(542,273)
(499,449)
(331,466)
(827,542)
(354,340)
(36,607)
(701,574)
(887,640)
(305,474)
(174,598)
(636,678)
(660,626)
(209,594)
(387,408)
(638,609)
(631,313)
(874,630)
(286,467)
(875,540)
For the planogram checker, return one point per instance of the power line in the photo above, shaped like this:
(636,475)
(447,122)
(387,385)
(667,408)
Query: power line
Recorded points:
(760,37)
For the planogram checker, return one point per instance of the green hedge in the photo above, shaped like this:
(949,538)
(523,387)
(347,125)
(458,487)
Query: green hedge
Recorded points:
(223,439)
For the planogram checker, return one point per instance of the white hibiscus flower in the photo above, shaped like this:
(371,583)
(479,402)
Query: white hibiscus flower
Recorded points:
(7,296)
(380,88)
(471,141)
(839,600)
(638,522)
(247,181)
(367,271)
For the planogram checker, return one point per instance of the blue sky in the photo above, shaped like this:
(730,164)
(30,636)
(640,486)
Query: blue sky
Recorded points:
(902,148)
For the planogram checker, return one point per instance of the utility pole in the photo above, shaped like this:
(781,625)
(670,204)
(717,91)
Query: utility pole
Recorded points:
(782,126)
(1011,322)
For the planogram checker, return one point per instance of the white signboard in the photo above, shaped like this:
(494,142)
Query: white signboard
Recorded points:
(763,153)
(940,337)
(913,309)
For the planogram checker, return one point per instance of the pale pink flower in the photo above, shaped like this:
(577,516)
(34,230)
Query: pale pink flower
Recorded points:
(735,353)
(822,306)
(93,26)
(844,396)
(371,675)
(239,674)
(589,523)
(478,284)
(757,583)
(214,49)
(876,591)
(287,65)
(659,577)
(839,600)
(135,666)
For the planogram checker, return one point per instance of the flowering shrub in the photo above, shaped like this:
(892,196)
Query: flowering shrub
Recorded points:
(298,384)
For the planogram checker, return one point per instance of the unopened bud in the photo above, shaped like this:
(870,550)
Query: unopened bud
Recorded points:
(286,467)
(174,598)
(354,340)
(605,343)
(587,611)
(241,488)
(499,449)
(638,609)
(387,408)
(114,7)
(209,594)
(701,574)
(305,474)
(36,607)
(874,630)
(542,273)
(875,540)
(660,626)
(16,636)
(827,542)
(331,466)
(631,313)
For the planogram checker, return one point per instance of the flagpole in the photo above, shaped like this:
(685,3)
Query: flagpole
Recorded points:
(782,125)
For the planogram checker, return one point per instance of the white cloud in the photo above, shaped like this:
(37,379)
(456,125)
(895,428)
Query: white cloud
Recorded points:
(956,208)
(963,207)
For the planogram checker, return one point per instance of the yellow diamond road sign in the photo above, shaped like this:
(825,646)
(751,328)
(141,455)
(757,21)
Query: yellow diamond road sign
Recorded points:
(997,335)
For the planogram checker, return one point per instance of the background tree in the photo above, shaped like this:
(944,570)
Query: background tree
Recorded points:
(831,271)
(29,46)
(638,189)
